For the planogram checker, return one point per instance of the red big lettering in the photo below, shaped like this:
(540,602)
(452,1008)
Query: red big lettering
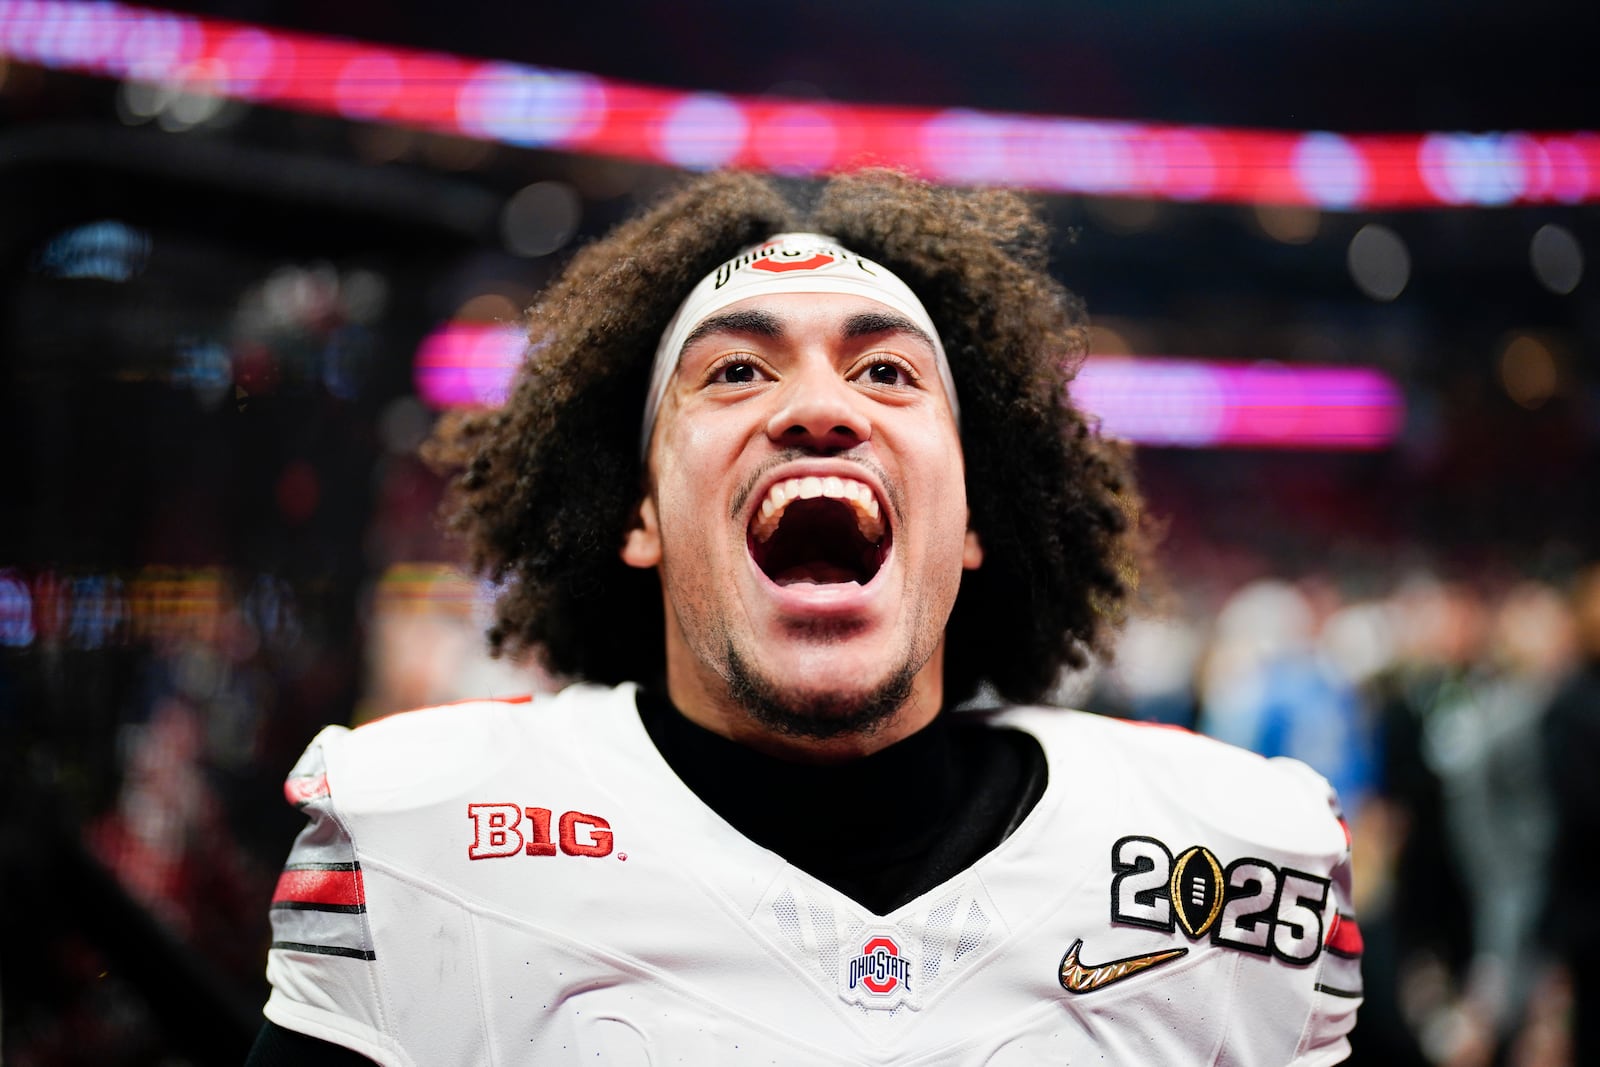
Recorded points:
(500,830)
(494,830)
(599,843)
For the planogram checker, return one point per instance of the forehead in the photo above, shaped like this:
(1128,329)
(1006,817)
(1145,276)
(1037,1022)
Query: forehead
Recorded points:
(808,316)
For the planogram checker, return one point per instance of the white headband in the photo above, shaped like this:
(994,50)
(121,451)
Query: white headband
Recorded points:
(786,263)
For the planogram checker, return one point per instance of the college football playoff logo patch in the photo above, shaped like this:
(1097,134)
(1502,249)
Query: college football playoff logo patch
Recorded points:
(1196,890)
(1250,904)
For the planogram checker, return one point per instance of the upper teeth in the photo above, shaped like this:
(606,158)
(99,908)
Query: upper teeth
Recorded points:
(856,494)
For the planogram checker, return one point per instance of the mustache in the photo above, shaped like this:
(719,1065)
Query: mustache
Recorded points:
(741,495)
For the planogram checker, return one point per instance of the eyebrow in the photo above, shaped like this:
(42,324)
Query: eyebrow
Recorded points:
(765,324)
(865,323)
(745,320)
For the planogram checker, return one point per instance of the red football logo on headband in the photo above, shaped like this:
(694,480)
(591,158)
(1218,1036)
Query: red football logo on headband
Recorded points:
(818,259)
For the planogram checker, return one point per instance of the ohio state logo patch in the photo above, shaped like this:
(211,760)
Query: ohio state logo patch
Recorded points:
(879,975)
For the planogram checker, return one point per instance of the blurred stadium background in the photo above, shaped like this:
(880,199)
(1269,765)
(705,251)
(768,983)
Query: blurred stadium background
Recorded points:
(1340,263)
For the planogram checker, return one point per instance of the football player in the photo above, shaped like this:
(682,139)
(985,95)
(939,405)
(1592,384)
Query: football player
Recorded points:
(779,489)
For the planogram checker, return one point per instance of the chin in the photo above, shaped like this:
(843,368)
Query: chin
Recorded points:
(818,711)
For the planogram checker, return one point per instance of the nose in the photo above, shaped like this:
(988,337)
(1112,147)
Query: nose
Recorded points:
(819,411)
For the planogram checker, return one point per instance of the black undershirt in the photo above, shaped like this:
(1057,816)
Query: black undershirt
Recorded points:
(882,830)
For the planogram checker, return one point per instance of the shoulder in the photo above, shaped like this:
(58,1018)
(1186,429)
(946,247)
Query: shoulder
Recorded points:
(1169,772)
(1237,861)
(418,757)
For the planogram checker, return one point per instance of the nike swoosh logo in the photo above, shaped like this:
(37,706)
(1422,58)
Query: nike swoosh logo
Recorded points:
(1080,977)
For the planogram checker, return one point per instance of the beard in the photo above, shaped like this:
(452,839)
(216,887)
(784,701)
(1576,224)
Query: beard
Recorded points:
(816,716)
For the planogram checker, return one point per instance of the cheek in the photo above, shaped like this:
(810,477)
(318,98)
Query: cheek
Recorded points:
(955,520)
(948,482)
(693,462)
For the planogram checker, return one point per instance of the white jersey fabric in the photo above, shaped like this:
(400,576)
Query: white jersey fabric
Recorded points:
(503,883)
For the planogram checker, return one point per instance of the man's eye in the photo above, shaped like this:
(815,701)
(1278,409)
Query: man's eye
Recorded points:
(886,373)
(736,373)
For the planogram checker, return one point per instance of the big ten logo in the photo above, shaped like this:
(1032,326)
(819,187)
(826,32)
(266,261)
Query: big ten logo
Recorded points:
(512,830)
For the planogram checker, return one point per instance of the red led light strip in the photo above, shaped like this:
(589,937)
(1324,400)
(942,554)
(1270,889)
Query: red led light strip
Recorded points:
(543,107)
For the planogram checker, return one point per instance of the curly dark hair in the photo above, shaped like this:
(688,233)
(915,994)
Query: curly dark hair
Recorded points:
(546,486)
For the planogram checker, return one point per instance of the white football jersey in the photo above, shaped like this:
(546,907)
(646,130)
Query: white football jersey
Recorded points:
(530,883)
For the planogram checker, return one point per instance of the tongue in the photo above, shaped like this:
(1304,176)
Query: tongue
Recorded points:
(816,572)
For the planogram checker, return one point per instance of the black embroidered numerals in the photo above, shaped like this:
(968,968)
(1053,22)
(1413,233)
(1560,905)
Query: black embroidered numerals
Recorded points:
(1297,935)
(1247,907)
(1139,894)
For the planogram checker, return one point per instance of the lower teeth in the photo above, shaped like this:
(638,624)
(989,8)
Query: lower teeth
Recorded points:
(816,574)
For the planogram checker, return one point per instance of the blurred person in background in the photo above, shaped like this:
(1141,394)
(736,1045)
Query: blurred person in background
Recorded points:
(1571,735)
(1268,686)
(1416,918)
(1152,677)
(1484,744)
(425,644)
(1457,836)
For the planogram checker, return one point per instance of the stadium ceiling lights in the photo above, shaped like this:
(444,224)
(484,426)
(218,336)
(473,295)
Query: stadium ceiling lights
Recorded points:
(541,107)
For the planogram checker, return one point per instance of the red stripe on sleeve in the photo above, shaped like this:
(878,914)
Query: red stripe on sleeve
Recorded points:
(1344,936)
(305,790)
(319,887)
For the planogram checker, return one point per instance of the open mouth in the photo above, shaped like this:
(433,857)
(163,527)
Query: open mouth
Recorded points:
(819,531)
